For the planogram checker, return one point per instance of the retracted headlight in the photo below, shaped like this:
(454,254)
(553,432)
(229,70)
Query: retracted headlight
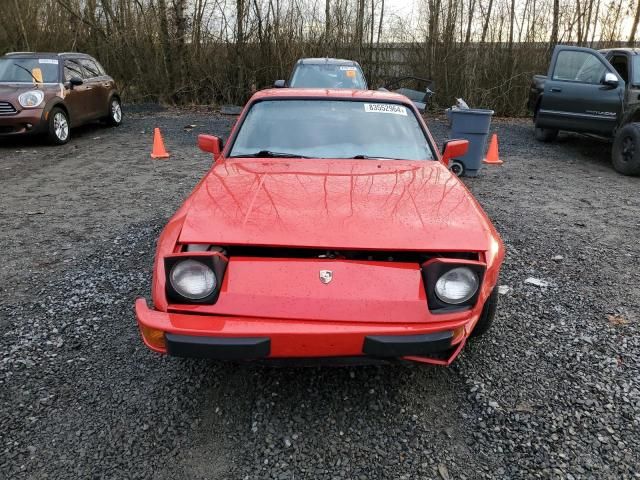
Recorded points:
(452,284)
(31,99)
(456,286)
(194,277)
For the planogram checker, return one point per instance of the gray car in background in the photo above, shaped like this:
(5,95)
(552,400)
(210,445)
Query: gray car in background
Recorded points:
(325,73)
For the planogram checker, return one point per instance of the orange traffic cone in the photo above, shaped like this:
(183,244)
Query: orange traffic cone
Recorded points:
(493,158)
(158,150)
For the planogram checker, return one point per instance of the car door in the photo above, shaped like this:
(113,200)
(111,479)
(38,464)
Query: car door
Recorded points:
(99,88)
(575,97)
(76,96)
(623,62)
(620,62)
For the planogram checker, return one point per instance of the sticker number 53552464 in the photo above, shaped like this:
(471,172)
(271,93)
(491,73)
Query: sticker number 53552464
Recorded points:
(385,108)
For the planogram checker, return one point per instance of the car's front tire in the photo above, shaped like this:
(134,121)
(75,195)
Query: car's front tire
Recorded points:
(114,118)
(487,315)
(59,129)
(625,154)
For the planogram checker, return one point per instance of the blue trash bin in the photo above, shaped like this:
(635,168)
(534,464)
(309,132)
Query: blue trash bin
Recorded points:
(473,125)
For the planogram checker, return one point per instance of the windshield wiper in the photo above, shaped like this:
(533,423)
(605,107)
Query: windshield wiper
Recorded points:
(28,71)
(358,157)
(269,154)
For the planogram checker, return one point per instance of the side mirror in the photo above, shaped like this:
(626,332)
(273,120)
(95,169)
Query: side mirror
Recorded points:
(279,84)
(210,144)
(75,81)
(453,149)
(610,80)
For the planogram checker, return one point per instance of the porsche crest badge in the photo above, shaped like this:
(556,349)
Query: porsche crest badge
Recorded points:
(326,276)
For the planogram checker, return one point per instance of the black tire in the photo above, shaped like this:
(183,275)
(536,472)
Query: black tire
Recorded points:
(546,134)
(625,154)
(59,128)
(487,315)
(114,117)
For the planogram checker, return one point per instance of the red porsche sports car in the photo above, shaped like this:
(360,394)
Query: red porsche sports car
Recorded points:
(328,227)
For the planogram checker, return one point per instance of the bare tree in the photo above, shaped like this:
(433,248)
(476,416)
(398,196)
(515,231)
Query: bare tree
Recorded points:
(487,18)
(634,26)
(555,22)
(214,51)
(472,5)
(360,25)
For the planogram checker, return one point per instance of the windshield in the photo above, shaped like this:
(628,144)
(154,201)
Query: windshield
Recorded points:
(32,70)
(331,129)
(327,76)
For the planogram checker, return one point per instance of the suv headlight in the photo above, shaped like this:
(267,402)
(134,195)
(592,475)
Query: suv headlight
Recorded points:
(193,279)
(31,99)
(457,285)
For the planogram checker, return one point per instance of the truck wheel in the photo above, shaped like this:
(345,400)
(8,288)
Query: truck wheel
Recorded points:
(487,315)
(625,154)
(546,134)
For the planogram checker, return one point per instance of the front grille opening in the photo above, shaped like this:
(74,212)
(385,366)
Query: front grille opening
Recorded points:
(362,255)
(7,108)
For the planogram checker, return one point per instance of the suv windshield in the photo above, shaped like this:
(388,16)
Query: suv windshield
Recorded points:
(331,129)
(327,76)
(31,70)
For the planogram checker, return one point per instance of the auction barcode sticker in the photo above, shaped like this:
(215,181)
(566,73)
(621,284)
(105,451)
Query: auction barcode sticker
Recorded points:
(51,61)
(348,68)
(385,108)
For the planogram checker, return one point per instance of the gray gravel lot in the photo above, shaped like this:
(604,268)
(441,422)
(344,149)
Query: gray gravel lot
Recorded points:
(552,392)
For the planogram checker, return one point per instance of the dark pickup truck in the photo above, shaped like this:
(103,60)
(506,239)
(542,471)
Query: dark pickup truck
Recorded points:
(592,92)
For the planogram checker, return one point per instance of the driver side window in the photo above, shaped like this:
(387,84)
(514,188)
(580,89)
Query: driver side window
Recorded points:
(72,69)
(582,67)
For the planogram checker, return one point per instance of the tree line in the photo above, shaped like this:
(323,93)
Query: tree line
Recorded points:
(219,51)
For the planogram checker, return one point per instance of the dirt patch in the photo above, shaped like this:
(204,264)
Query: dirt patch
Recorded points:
(551,391)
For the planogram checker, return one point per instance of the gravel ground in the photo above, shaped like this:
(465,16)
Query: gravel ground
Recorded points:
(552,392)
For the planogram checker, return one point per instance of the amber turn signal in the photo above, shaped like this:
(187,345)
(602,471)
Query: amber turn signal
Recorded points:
(458,335)
(154,337)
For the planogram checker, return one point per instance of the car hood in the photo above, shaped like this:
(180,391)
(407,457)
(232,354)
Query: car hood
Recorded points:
(354,204)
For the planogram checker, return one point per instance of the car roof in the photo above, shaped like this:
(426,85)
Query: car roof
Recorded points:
(47,55)
(330,94)
(632,51)
(326,61)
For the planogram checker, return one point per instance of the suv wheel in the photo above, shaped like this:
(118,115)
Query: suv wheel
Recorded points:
(115,112)
(59,130)
(487,315)
(546,134)
(625,154)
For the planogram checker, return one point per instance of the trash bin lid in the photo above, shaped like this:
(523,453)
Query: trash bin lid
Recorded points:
(470,111)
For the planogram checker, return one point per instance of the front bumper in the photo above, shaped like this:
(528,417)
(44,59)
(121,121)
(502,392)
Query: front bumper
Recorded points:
(25,121)
(251,338)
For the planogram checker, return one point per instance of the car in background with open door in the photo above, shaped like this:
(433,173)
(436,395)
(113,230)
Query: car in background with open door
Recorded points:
(592,92)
